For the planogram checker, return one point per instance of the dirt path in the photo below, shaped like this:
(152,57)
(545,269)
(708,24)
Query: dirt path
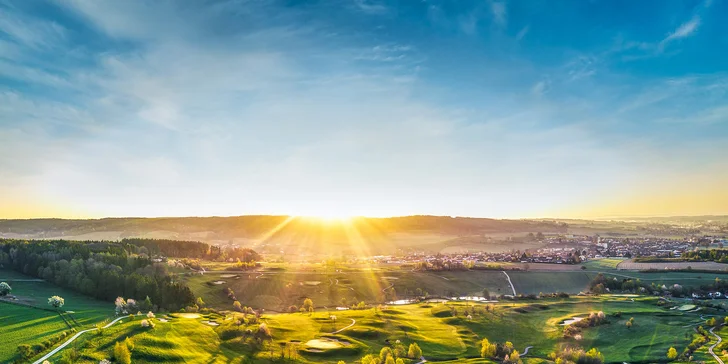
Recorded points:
(710,349)
(509,282)
(74,337)
(344,328)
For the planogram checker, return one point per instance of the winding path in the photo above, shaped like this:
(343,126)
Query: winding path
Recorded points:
(525,351)
(74,337)
(344,328)
(710,349)
(509,282)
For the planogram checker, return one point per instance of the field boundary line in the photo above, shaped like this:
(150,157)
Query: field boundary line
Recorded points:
(73,338)
(509,282)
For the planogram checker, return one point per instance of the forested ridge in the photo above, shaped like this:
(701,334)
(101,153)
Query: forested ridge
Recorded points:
(106,270)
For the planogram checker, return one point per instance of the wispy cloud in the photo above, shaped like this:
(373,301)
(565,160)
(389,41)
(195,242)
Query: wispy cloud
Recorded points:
(522,33)
(371,7)
(33,33)
(683,31)
(500,13)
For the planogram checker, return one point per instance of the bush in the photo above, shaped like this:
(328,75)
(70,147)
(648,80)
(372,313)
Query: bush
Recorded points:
(122,355)
(414,351)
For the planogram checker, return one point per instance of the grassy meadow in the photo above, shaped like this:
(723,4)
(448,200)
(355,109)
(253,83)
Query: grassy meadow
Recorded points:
(443,331)
(26,325)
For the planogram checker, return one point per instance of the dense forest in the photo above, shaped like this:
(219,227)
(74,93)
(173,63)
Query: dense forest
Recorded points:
(106,270)
(190,249)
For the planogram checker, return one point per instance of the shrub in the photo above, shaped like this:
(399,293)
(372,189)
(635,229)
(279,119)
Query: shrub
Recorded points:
(122,354)
(672,353)
(414,351)
(25,351)
(487,350)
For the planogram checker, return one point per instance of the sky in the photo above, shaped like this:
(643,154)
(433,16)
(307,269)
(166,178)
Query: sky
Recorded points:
(505,109)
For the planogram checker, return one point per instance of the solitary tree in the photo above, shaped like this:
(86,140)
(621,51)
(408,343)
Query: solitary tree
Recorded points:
(56,302)
(200,302)
(308,304)
(414,351)
(486,293)
(672,353)
(5,289)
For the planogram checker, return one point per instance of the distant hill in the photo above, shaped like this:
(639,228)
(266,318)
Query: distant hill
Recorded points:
(276,233)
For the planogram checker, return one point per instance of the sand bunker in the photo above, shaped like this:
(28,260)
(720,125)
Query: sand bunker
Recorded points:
(571,321)
(186,315)
(323,344)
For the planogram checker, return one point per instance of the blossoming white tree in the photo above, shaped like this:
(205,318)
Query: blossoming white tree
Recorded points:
(56,301)
(5,289)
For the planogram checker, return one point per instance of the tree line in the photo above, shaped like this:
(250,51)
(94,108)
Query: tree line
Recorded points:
(105,270)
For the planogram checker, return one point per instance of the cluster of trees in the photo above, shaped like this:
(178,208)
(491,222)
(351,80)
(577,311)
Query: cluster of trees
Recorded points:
(394,354)
(578,356)
(188,249)
(713,255)
(505,351)
(573,330)
(601,284)
(103,270)
(439,264)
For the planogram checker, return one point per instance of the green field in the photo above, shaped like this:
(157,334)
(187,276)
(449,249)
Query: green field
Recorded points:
(277,291)
(442,331)
(22,325)
(605,263)
(26,325)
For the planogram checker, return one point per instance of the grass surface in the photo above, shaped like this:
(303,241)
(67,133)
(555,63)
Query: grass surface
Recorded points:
(442,330)
(22,325)
(25,325)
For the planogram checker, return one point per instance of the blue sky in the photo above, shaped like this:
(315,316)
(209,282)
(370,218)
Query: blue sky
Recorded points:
(479,108)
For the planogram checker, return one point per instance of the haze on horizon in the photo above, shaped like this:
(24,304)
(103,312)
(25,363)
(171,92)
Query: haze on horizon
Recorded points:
(503,109)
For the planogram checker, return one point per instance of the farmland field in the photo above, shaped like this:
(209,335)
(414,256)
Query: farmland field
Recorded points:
(279,290)
(604,263)
(629,264)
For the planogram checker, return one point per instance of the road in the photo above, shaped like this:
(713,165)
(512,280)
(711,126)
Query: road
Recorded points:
(525,351)
(710,349)
(344,328)
(509,282)
(74,337)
